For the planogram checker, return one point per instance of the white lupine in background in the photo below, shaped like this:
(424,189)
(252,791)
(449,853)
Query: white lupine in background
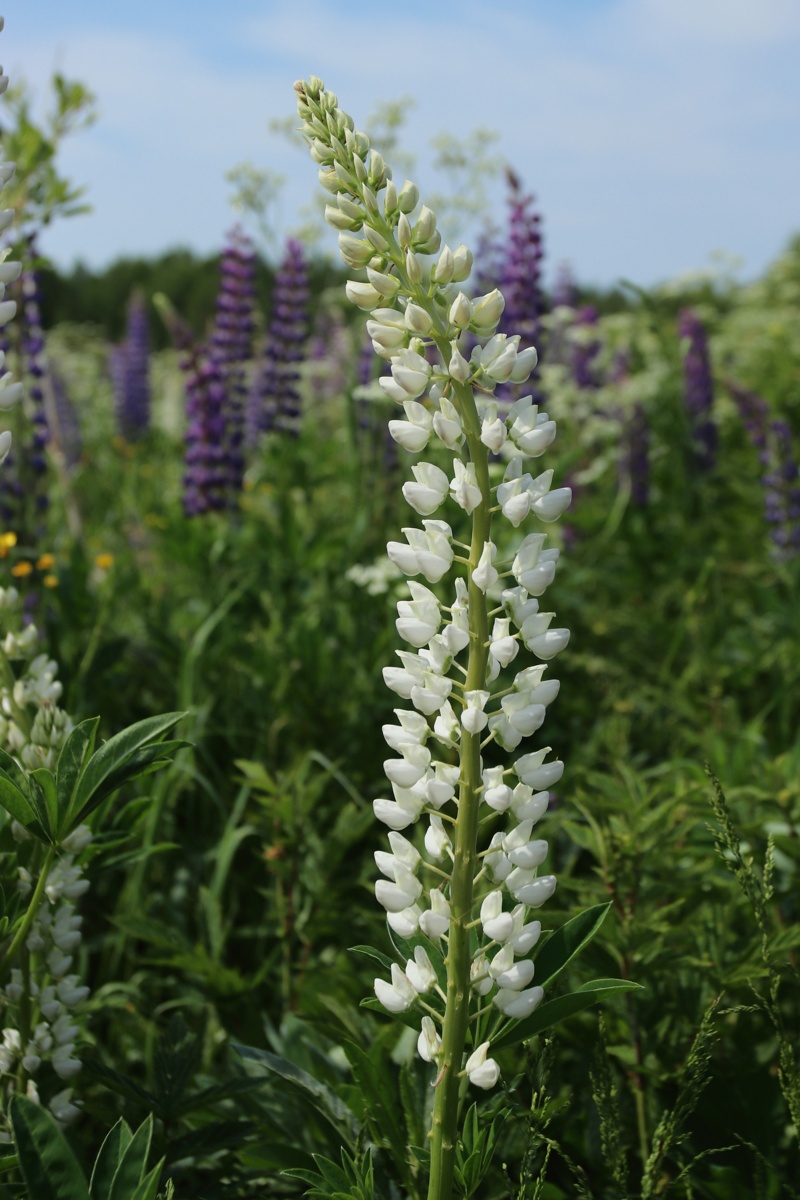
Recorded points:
(33,730)
(441,882)
(10,392)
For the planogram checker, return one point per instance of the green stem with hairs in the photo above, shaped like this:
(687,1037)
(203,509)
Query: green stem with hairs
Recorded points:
(444,1132)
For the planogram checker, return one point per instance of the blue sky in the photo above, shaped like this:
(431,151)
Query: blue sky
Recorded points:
(654,132)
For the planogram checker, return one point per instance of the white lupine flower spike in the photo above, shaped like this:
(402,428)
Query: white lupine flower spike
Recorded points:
(444,882)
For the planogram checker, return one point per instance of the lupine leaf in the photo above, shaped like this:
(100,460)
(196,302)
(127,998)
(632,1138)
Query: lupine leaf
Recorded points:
(558,1010)
(45,799)
(323,1098)
(74,753)
(562,946)
(117,751)
(382,1102)
(17,804)
(48,1166)
(148,1188)
(376,955)
(107,1161)
(133,1163)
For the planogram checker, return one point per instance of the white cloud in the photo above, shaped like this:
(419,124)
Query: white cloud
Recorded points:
(648,141)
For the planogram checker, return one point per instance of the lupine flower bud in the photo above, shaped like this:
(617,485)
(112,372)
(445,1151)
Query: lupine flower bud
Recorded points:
(460,311)
(429,1044)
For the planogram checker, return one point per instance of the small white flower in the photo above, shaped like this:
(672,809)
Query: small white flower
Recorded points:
(518,1004)
(429,1044)
(447,425)
(485,575)
(503,646)
(429,490)
(437,840)
(420,972)
(464,487)
(497,925)
(496,794)
(473,718)
(436,920)
(397,996)
(533,770)
(414,433)
(406,922)
(482,1071)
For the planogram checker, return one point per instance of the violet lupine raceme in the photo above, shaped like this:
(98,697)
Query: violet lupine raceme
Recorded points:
(130,372)
(457,889)
(9,271)
(274,402)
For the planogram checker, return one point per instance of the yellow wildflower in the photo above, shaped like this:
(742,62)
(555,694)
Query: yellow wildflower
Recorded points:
(104,561)
(45,561)
(50,581)
(7,540)
(22,569)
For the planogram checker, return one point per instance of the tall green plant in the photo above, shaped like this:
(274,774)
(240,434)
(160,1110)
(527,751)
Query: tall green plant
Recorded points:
(468,971)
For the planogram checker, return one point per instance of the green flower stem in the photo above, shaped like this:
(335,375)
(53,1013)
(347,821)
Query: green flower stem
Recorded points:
(30,915)
(444,1134)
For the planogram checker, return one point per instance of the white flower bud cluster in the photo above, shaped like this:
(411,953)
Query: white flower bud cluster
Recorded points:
(10,392)
(53,991)
(416,308)
(32,726)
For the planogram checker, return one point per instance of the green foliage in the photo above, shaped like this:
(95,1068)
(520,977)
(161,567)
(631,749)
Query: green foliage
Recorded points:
(50,1169)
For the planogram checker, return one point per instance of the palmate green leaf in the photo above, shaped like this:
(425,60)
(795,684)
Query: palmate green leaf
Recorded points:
(74,753)
(141,762)
(558,1010)
(382,1103)
(148,1188)
(376,955)
(105,1168)
(14,772)
(16,803)
(44,799)
(133,1163)
(562,946)
(114,755)
(48,1166)
(324,1099)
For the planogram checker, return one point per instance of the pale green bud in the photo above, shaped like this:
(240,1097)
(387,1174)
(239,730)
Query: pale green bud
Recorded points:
(359,168)
(329,180)
(339,220)
(458,367)
(409,197)
(370,200)
(487,310)
(443,271)
(344,176)
(361,144)
(460,310)
(350,208)
(390,199)
(377,168)
(432,245)
(387,285)
(363,295)
(354,251)
(388,337)
(426,225)
(462,263)
(375,237)
(404,231)
(417,319)
(413,267)
(320,152)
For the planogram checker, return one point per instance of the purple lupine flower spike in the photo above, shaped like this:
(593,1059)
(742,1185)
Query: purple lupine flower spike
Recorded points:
(782,492)
(130,372)
(275,401)
(32,345)
(698,389)
(232,345)
(206,479)
(584,353)
(754,411)
(521,273)
(66,430)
